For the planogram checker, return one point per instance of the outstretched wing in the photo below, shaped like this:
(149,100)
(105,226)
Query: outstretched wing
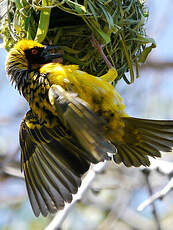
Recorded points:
(52,165)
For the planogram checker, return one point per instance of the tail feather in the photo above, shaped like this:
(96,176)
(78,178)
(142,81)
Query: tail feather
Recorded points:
(163,133)
(155,125)
(148,149)
(156,136)
(161,145)
(130,156)
(143,138)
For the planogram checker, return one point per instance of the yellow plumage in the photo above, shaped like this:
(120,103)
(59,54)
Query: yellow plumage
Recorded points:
(75,119)
(97,92)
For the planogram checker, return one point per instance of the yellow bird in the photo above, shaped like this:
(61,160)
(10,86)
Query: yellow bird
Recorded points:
(75,119)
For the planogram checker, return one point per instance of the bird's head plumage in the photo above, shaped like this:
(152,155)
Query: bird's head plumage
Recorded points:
(27,56)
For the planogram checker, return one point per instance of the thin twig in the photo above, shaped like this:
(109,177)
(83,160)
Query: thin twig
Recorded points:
(161,166)
(158,195)
(13,169)
(6,159)
(99,48)
(159,65)
(164,168)
(9,166)
(57,221)
(154,210)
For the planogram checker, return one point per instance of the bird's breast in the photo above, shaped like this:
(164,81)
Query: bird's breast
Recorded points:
(36,93)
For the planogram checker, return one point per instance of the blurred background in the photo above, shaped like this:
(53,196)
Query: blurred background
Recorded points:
(114,196)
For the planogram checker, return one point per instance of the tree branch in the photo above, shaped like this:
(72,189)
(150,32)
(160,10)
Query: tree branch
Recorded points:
(57,221)
(165,168)
(161,166)
(158,195)
(157,65)
(154,210)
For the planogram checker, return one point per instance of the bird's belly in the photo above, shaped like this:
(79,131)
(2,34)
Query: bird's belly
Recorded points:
(37,98)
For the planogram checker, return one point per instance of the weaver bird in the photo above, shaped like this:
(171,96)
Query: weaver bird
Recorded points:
(75,119)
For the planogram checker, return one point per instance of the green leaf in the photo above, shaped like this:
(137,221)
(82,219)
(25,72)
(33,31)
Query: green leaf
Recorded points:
(43,25)
(145,53)
(105,36)
(147,50)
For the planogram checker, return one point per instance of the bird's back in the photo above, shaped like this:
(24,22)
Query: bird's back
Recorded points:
(96,92)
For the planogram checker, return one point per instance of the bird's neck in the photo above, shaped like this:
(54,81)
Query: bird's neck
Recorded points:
(19,70)
(36,94)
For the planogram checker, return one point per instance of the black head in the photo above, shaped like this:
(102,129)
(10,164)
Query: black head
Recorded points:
(27,55)
(41,55)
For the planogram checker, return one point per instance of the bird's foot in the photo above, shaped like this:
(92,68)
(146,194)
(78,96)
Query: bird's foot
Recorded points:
(99,48)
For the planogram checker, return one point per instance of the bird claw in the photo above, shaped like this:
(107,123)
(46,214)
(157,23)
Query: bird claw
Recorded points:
(99,48)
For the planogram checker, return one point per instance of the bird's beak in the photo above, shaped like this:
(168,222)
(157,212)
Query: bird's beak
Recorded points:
(48,56)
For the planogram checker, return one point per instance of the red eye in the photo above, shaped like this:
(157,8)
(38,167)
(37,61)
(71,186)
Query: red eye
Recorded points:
(34,51)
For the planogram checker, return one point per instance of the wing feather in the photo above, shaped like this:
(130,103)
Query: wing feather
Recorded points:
(52,165)
(67,179)
(85,125)
(37,196)
(52,178)
(54,200)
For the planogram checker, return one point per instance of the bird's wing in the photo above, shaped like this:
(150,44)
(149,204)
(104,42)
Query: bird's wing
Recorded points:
(87,126)
(52,165)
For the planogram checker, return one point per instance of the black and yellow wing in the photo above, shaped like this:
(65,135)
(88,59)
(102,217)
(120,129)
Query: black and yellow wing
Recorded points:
(52,166)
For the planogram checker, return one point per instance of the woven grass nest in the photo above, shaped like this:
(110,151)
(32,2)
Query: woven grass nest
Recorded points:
(118,24)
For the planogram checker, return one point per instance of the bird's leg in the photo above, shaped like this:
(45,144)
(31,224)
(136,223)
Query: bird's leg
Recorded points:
(99,48)
(112,74)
